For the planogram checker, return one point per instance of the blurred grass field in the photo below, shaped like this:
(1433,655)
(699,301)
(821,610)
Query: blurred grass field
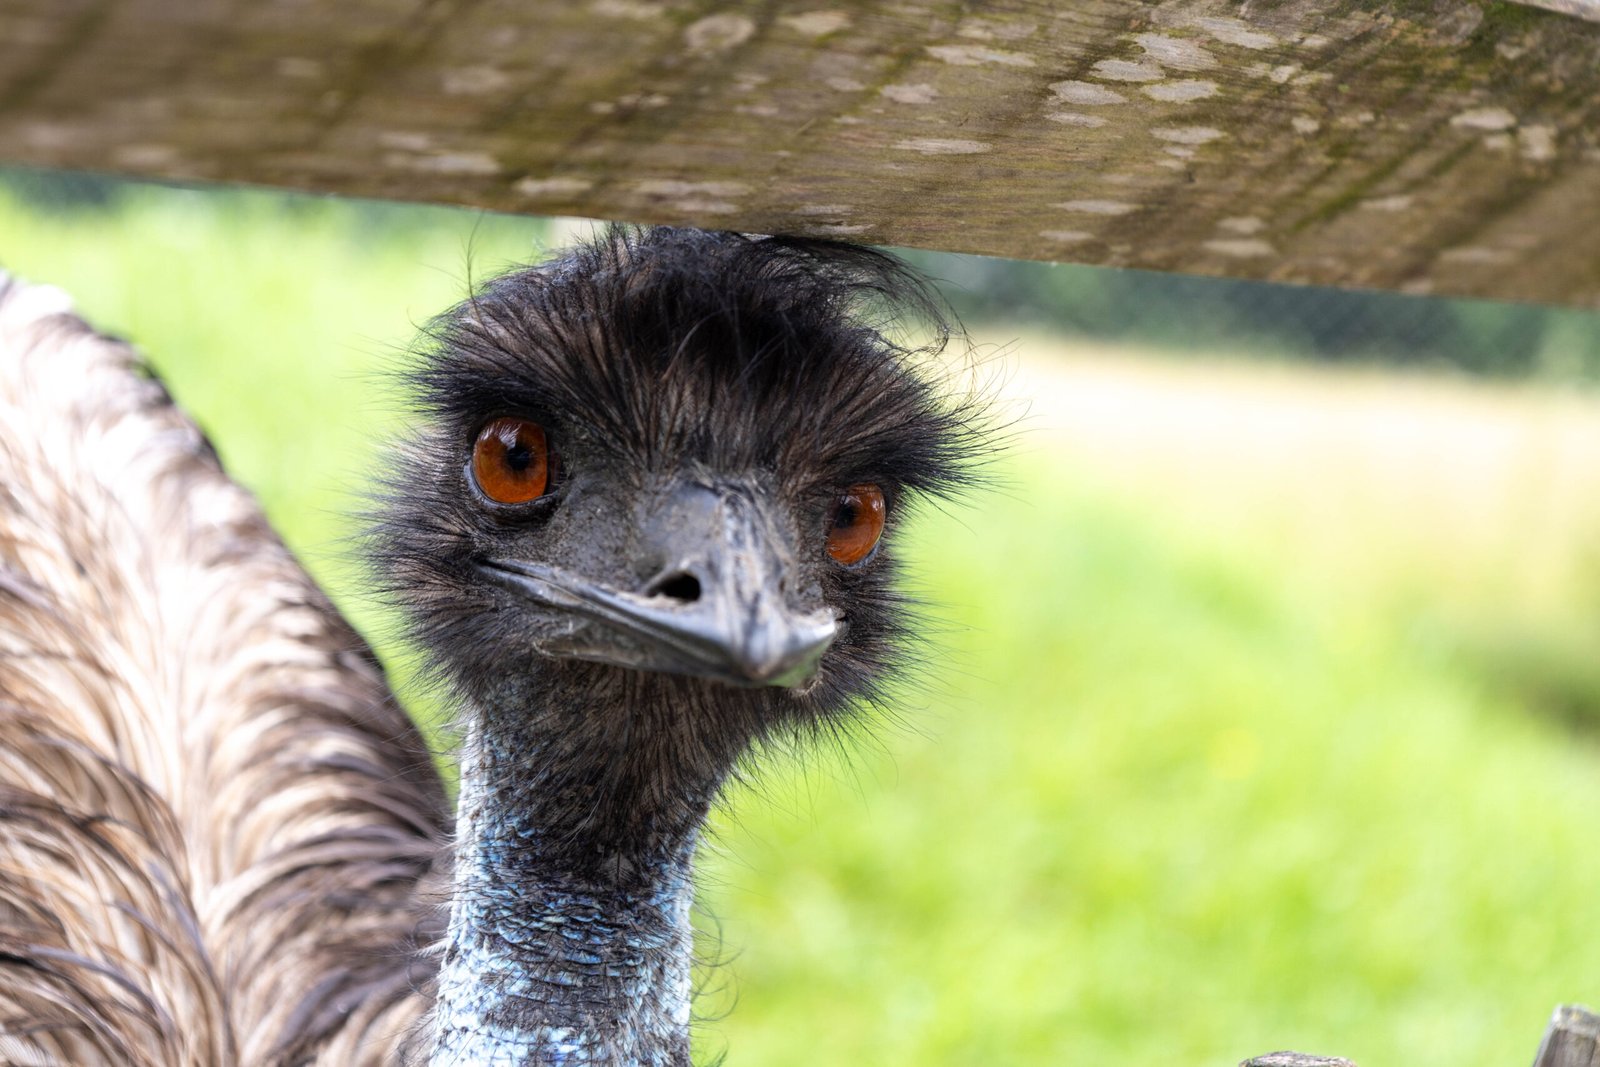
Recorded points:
(1264,716)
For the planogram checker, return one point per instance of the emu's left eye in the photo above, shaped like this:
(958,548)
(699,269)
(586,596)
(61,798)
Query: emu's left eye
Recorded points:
(511,460)
(857,524)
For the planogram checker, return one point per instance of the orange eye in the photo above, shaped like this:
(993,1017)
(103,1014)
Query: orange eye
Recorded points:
(511,460)
(857,524)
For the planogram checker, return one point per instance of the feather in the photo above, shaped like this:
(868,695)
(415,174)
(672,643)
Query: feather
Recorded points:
(216,825)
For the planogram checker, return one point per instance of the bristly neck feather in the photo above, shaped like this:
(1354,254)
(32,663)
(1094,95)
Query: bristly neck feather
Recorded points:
(569,938)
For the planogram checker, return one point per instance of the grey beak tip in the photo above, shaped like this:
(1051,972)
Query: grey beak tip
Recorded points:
(786,659)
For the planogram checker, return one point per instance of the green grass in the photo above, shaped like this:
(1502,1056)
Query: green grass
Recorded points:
(1181,792)
(1179,807)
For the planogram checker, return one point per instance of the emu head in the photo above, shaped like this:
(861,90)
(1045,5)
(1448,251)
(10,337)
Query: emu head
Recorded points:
(651,518)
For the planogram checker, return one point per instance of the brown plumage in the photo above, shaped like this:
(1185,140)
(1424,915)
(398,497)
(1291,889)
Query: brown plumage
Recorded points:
(214,819)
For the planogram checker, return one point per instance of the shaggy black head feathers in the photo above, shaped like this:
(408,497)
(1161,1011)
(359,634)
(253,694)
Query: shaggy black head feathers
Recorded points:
(761,367)
(680,345)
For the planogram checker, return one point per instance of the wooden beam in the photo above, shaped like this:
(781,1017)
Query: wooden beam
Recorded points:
(1449,146)
(1583,9)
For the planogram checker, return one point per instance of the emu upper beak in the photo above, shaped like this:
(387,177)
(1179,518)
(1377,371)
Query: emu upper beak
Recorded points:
(716,609)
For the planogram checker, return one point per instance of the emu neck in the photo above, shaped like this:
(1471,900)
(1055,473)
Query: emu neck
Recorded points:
(569,938)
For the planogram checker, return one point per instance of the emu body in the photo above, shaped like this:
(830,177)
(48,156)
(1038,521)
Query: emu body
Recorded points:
(241,849)
(215,825)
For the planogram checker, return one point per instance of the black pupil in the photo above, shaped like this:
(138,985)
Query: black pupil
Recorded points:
(849,511)
(519,456)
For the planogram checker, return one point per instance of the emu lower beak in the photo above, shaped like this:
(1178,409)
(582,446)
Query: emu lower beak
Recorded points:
(715,610)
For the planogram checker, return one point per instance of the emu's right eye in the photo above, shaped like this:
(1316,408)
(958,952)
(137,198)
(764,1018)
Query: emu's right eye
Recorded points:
(511,460)
(857,524)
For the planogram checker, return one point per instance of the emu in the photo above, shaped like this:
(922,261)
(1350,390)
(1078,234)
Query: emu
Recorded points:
(642,532)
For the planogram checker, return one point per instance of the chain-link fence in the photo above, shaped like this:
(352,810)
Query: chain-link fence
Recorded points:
(1282,321)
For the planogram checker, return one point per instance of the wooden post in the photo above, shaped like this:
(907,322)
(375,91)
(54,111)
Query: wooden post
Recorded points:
(1571,1040)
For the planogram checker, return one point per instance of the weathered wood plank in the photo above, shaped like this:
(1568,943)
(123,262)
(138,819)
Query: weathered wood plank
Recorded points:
(1449,146)
(1295,1059)
(1571,1040)
(1583,9)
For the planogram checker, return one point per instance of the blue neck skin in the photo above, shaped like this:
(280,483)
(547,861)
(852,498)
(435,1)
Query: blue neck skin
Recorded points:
(544,967)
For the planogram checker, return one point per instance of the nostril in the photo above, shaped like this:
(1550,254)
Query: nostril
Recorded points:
(679,586)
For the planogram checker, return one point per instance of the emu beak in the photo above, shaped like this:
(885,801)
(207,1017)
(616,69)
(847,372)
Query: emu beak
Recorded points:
(716,609)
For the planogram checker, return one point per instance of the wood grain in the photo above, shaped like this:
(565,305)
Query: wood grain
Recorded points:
(1572,1039)
(1449,146)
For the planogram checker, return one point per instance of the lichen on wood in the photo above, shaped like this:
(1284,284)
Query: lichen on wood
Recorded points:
(1448,146)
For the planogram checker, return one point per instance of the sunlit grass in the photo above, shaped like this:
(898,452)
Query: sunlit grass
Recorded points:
(1174,810)
(1231,746)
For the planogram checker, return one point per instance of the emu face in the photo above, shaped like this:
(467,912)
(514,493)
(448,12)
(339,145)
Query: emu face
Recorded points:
(667,468)
(708,579)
